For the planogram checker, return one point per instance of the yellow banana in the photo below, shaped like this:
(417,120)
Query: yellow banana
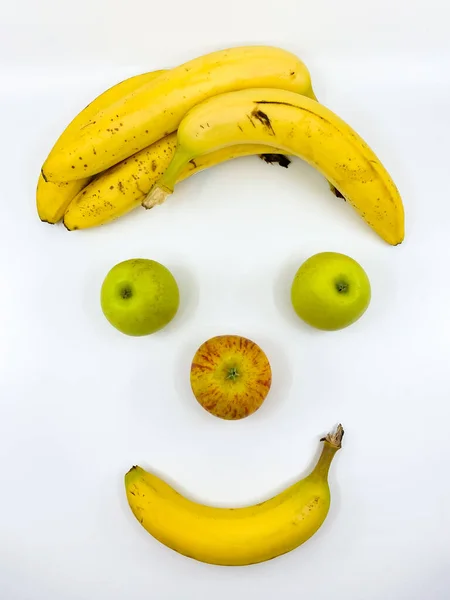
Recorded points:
(155,110)
(123,187)
(295,125)
(52,198)
(234,536)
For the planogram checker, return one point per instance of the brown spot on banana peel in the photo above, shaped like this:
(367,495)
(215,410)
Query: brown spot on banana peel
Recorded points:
(141,191)
(275,102)
(43,176)
(292,105)
(88,124)
(263,119)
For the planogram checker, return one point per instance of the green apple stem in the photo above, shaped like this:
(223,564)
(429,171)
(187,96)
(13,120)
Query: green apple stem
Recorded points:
(341,286)
(126,292)
(233,374)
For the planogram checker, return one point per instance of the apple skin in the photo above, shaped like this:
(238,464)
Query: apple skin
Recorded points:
(230,376)
(330,291)
(139,296)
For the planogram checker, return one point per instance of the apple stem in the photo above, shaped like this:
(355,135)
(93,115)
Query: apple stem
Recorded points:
(233,374)
(126,293)
(341,286)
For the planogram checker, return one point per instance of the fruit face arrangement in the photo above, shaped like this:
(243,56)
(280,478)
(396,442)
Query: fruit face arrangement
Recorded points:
(130,147)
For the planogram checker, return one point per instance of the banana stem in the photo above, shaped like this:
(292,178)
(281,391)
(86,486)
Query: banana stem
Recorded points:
(335,438)
(333,442)
(165,184)
(157,195)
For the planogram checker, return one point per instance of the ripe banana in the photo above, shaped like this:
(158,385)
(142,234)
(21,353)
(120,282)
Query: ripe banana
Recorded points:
(234,536)
(52,198)
(123,187)
(156,109)
(295,125)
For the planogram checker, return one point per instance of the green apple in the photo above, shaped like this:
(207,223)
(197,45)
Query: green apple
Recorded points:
(139,296)
(330,291)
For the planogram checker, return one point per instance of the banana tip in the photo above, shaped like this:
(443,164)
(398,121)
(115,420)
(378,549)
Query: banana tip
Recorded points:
(69,228)
(133,468)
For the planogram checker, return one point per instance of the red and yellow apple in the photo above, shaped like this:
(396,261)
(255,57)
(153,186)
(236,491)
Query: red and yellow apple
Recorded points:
(230,376)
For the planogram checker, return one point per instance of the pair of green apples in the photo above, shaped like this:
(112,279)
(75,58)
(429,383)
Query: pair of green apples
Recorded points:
(330,291)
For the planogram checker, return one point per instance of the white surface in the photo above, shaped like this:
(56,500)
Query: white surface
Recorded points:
(81,403)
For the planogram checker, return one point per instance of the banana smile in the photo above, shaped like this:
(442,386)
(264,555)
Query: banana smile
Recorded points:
(234,536)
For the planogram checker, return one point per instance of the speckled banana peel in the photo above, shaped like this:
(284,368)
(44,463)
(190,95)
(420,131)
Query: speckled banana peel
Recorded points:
(123,187)
(155,109)
(52,198)
(295,125)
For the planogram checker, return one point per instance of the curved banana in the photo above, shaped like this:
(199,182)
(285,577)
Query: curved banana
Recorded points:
(234,536)
(52,198)
(123,187)
(295,125)
(156,109)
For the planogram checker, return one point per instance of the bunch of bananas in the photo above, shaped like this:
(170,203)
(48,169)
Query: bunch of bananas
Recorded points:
(133,143)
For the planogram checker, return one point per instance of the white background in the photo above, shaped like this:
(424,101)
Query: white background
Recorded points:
(80,403)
